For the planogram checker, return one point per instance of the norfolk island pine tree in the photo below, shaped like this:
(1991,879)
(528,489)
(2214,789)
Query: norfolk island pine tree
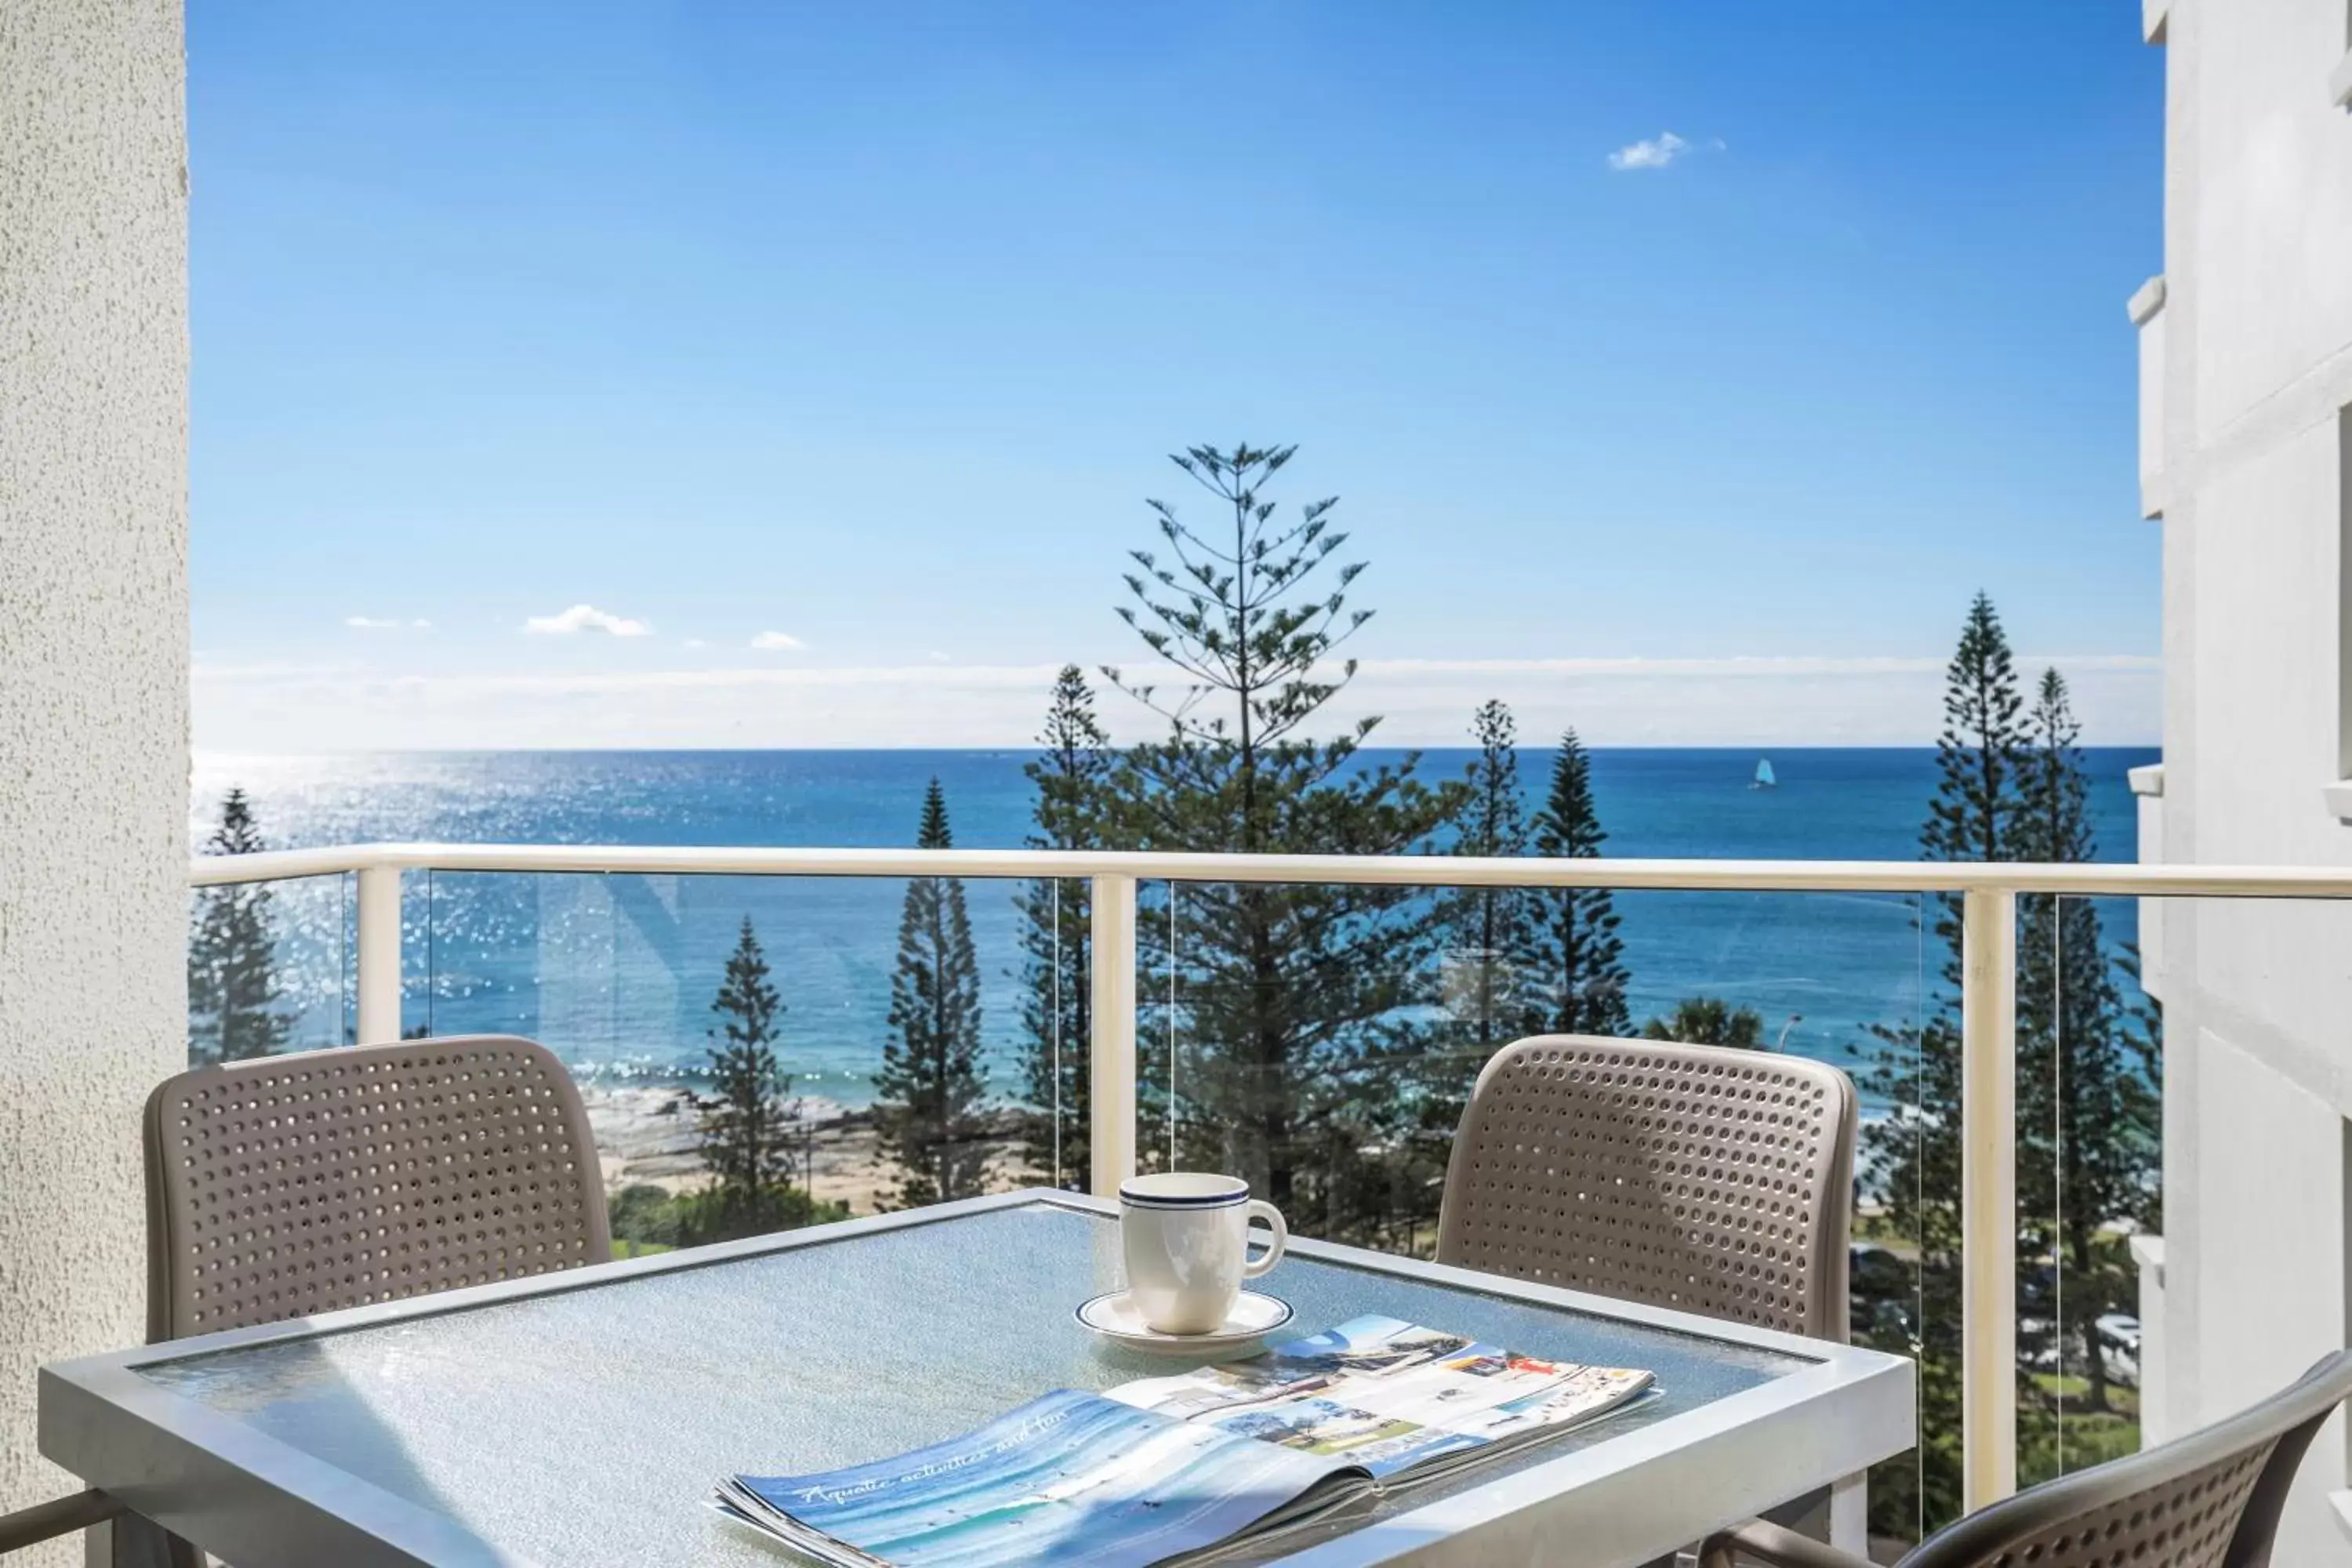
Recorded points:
(1292,1000)
(1572,965)
(1056,937)
(744,1132)
(2089,1115)
(931,1092)
(1911,1157)
(236,1004)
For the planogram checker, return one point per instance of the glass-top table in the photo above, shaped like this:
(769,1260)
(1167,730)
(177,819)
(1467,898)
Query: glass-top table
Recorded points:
(580,1419)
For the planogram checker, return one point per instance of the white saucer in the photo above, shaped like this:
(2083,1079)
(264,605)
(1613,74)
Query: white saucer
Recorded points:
(1116,1317)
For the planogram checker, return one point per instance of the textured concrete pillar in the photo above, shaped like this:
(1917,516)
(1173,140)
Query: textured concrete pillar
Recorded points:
(94,671)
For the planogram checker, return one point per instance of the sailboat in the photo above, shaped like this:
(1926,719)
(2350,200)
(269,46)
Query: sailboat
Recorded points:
(1764,779)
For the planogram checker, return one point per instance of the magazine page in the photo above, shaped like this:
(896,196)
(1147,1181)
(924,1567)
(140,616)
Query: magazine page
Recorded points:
(1389,1395)
(1069,1476)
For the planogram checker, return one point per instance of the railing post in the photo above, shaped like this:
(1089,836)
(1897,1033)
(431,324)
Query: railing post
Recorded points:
(1110,1065)
(379,943)
(1988,1196)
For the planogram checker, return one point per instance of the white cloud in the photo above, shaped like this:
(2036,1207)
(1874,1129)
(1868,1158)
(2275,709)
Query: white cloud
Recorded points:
(586,618)
(1655,153)
(778,642)
(1762,701)
(936,657)
(696,642)
(373,623)
(421,624)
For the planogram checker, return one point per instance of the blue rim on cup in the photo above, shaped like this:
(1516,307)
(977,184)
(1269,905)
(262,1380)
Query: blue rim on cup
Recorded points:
(1183,1190)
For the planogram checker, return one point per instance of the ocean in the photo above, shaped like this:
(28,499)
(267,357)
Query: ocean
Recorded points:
(616,973)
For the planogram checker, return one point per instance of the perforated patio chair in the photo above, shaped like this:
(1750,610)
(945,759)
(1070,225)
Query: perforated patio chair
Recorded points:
(2211,1500)
(1703,1178)
(300,1184)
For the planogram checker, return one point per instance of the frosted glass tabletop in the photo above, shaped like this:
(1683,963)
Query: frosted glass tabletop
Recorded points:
(587,1425)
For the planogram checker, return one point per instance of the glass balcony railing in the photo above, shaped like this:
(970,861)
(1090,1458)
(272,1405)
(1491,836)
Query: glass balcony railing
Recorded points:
(272,966)
(2089,1178)
(939,1023)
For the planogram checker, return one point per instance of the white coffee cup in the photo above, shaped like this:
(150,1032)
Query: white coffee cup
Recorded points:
(1186,1238)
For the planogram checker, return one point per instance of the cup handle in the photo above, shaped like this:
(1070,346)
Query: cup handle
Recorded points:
(1261,1210)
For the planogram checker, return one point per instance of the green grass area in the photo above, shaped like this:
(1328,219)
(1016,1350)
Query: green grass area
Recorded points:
(2089,1439)
(623,1247)
(1877,1229)
(2121,1401)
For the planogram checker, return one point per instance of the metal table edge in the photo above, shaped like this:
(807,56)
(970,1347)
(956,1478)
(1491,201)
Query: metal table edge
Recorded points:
(1745,1453)
(184,1466)
(379,1528)
(351,1521)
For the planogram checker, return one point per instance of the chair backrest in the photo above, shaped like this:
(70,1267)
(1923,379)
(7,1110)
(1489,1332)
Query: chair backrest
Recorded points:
(1706,1178)
(303,1183)
(2211,1500)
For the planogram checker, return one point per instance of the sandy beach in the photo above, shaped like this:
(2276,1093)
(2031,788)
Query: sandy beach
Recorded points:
(646,1134)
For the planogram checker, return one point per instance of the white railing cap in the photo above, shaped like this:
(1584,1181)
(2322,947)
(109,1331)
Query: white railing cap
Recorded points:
(2103,879)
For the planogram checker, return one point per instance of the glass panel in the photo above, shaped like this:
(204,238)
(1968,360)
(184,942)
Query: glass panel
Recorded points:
(1053,923)
(1906,1265)
(1158,916)
(887,1090)
(853,1332)
(1848,978)
(2089,1177)
(270,967)
(1333,1077)
(1293,1032)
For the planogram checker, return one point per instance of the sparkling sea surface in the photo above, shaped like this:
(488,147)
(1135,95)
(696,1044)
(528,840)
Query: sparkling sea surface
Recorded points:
(616,973)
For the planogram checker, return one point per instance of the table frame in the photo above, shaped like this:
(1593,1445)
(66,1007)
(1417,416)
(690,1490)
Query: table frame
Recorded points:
(262,1503)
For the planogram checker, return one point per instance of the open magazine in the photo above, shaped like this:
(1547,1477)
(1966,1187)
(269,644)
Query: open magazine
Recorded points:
(1167,1468)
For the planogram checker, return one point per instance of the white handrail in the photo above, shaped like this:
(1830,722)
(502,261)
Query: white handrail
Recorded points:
(1988,987)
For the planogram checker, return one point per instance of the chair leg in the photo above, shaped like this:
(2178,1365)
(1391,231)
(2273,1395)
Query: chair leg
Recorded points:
(130,1541)
(1839,1514)
(1813,1515)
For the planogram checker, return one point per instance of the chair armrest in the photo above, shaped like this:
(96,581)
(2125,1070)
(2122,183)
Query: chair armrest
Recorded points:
(1771,1544)
(47,1520)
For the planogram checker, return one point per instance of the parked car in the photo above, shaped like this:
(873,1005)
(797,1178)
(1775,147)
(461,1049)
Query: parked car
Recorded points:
(2120,1343)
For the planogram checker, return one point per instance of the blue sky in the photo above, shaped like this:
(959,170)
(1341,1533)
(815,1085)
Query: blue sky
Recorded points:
(869,325)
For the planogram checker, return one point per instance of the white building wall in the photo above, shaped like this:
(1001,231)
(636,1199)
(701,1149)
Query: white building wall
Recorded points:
(2254,368)
(93,673)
